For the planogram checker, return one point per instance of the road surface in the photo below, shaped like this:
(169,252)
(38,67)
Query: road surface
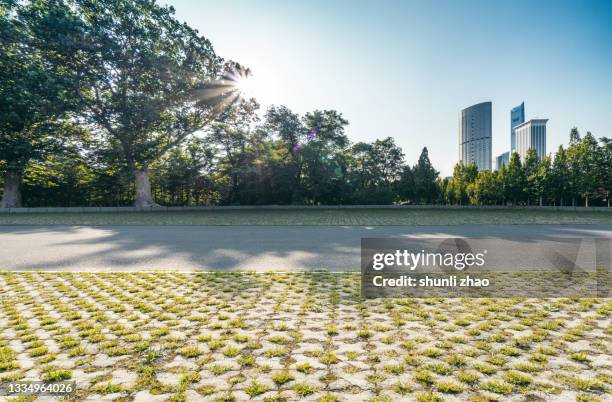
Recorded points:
(230,248)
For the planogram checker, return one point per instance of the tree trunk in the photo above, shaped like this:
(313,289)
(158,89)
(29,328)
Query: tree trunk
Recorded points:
(11,198)
(540,200)
(143,189)
(586,201)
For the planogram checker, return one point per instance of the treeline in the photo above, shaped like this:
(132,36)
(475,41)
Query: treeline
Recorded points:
(283,159)
(578,175)
(115,102)
(234,164)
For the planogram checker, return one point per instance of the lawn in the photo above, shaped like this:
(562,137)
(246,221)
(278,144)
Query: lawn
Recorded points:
(277,337)
(316,216)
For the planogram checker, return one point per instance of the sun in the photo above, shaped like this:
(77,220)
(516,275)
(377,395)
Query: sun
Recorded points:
(248,86)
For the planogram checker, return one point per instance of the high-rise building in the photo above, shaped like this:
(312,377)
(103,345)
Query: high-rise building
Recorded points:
(531,134)
(517,116)
(475,135)
(502,159)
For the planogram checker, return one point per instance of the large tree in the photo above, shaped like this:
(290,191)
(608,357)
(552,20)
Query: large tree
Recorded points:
(323,149)
(388,159)
(376,172)
(34,93)
(234,136)
(288,128)
(146,80)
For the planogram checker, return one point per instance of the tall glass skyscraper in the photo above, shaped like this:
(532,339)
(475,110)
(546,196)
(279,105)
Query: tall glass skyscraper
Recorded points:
(517,116)
(475,135)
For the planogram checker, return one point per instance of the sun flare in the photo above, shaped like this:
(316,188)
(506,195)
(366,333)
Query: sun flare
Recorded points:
(249,86)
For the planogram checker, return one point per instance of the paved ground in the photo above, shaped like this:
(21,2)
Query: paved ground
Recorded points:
(147,337)
(228,248)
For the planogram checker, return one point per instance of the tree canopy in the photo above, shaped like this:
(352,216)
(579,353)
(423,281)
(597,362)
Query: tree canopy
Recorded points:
(116,102)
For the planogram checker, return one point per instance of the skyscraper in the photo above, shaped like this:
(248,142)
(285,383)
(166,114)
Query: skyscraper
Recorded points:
(502,159)
(531,134)
(475,135)
(517,116)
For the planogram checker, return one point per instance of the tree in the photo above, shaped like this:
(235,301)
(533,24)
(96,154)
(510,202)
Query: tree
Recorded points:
(463,176)
(388,161)
(485,189)
(605,171)
(531,170)
(583,156)
(406,188)
(323,156)
(34,94)
(146,81)
(574,136)
(234,136)
(561,176)
(287,126)
(542,183)
(516,182)
(183,176)
(425,177)
(502,181)
(362,171)
(443,191)
(378,172)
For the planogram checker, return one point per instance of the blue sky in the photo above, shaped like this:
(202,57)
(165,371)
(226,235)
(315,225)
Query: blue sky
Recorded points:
(406,68)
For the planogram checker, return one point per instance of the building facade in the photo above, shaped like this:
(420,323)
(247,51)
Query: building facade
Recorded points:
(503,159)
(475,135)
(517,116)
(531,134)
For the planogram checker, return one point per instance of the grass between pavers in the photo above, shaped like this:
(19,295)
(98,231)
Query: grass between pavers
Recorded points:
(293,336)
(317,216)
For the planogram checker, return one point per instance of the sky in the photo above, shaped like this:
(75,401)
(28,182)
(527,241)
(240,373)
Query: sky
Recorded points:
(406,68)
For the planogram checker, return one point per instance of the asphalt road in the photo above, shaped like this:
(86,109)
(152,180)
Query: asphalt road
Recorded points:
(230,248)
